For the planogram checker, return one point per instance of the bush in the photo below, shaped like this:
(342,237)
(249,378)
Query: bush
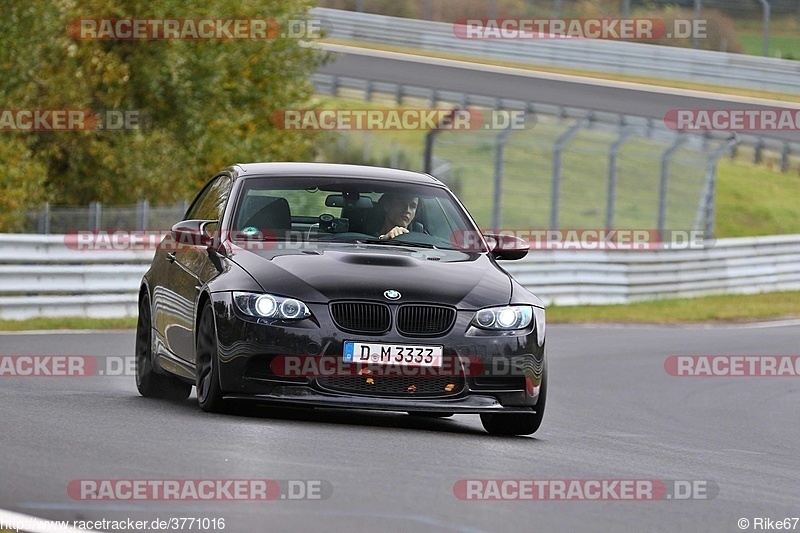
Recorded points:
(209,102)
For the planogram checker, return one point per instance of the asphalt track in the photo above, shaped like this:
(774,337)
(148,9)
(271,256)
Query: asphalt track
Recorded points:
(517,84)
(613,413)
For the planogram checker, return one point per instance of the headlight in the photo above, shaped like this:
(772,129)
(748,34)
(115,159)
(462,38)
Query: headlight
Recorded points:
(504,318)
(269,306)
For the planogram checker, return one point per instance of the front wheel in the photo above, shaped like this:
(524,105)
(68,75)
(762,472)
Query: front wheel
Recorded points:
(209,392)
(148,382)
(517,423)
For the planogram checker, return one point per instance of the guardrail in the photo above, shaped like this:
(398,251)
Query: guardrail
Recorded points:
(40,276)
(732,266)
(718,68)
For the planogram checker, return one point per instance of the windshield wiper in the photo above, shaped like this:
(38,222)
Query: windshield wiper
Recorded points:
(392,242)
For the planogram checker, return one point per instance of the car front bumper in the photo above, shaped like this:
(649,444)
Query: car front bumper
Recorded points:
(492,372)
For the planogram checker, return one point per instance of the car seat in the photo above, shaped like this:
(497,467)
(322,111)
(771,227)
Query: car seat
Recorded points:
(270,213)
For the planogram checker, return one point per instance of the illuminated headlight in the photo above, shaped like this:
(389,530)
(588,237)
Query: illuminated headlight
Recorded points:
(504,318)
(269,306)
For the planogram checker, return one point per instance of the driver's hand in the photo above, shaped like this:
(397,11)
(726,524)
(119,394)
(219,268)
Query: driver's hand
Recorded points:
(394,232)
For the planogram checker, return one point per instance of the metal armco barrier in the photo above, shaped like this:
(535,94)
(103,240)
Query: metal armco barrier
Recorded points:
(718,68)
(744,265)
(42,277)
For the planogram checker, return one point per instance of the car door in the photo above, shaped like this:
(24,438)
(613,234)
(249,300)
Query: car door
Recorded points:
(188,268)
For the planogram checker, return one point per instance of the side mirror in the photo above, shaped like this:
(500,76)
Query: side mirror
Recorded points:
(508,247)
(193,233)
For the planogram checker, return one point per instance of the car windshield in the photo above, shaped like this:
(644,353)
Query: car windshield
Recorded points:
(314,209)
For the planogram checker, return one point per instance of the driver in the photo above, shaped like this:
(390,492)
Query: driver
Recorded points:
(400,211)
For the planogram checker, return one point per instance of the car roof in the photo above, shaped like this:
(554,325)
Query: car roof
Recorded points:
(332,170)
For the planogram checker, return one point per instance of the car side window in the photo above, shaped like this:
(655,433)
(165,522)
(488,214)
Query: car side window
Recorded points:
(210,203)
(439,223)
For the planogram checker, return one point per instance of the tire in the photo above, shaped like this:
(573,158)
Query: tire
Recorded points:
(430,414)
(517,423)
(209,392)
(149,383)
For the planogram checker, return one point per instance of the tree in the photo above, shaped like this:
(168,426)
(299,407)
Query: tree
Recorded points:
(205,103)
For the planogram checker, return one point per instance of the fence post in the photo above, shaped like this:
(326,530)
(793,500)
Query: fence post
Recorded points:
(365,155)
(611,193)
(785,157)
(697,14)
(662,185)
(706,210)
(757,149)
(765,38)
(368,91)
(95,215)
(44,219)
(555,187)
(430,137)
(142,214)
(499,150)
(334,85)
(340,146)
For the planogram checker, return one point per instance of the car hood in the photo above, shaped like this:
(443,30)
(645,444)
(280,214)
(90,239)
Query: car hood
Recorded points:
(464,280)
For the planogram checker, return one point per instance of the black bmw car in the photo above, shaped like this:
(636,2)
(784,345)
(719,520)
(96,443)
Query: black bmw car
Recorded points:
(341,286)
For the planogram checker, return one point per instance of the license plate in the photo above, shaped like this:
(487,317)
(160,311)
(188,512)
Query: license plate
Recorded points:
(393,354)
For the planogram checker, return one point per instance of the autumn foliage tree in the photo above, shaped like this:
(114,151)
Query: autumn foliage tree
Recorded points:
(206,103)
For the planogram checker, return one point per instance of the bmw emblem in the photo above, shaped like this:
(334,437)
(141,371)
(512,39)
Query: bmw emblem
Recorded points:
(392,294)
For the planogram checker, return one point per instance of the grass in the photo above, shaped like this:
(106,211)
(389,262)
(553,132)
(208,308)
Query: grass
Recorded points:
(784,35)
(784,46)
(55,323)
(646,80)
(725,308)
(753,200)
